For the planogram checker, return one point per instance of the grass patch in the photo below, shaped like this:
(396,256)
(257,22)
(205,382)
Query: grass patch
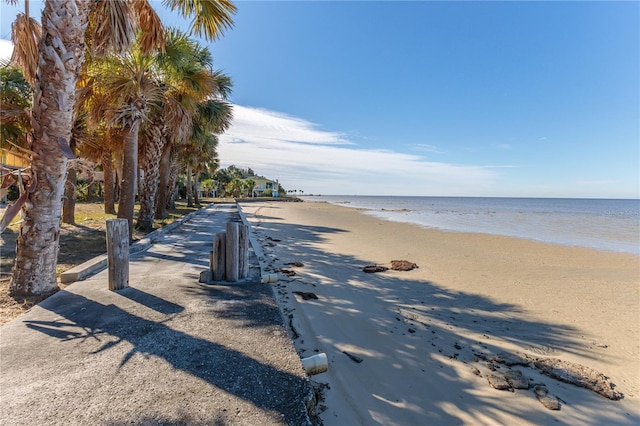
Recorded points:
(78,243)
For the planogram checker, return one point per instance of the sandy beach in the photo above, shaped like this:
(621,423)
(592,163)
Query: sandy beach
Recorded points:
(422,346)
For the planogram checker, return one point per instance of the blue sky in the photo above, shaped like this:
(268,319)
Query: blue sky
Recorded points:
(435,98)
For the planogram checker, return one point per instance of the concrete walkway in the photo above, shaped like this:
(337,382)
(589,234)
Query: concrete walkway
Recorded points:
(166,350)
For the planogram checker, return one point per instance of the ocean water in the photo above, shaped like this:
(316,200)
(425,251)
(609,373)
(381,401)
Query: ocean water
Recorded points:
(610,225)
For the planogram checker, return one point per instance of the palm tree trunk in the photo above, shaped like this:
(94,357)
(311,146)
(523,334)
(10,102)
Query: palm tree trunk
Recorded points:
(69,201)
(196,184)
(118,162)
(163,185)
(150,164)
(70,194)
(129,174)
(172,187)
(60,57)
(189,187)
(109,182)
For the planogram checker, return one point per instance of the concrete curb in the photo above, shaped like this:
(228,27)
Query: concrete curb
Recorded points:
(98,263)
(253,239)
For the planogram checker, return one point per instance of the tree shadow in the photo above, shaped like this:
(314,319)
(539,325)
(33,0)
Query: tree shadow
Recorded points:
(151,301)
(229,370)
(160,319)
(417,324)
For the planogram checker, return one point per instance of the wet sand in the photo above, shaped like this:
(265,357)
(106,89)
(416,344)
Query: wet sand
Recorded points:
(430,339)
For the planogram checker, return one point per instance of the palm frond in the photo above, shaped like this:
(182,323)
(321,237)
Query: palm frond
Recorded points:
(83,136)
(151,36)
(116,27)
(14,122)
(224,84)
(14,88)
(176,51)
(15,103)
(25,34)
(209,17)
(216,115)
(178,120)
(199,84)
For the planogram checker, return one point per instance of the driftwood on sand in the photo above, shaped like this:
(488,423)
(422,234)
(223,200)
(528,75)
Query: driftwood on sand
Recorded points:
(374,268)
(306,295)
(549,401)
(402,265)
(396,265)
(578,375)
(287,272)
(565,371)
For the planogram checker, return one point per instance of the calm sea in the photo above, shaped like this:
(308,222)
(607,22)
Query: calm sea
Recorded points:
(612,225)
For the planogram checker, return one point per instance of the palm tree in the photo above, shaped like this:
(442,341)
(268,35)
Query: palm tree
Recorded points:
(213,117)
(209,186)
(59,57)
(122,89)
(249,184)
(195,103)
(184,73)
(204,168)
(135,89)
(235,187)
(64,25)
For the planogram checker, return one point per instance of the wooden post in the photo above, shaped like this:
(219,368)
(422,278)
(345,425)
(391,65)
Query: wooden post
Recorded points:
(219,248)
(232,255)
(118,253)
(243,248)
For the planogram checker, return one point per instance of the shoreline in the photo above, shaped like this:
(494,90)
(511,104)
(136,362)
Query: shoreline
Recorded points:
(365,210)
(472,294)
(549,223)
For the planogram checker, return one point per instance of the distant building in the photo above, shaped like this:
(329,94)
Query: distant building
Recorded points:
(10,160)
(264,187)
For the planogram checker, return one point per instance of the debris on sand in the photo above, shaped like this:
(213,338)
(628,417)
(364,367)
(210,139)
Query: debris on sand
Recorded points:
(294,332)
(353,357)
(498,381)
(402,265)
(306,295)
(287,272)
(549,401)
(516,379)
(565,371)
(374,268)
(511,359)
(578,375)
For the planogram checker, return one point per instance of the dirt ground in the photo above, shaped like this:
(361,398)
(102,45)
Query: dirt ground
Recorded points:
(78,243)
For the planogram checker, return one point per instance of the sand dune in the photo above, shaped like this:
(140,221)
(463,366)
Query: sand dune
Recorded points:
(434,341)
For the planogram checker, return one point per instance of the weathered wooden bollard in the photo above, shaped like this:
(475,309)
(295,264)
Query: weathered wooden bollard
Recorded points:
(118,253)
(218,263)
(229,259)
(243,251)
(233,253)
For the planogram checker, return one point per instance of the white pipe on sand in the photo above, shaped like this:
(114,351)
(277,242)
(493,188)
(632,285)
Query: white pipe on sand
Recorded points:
(315,364)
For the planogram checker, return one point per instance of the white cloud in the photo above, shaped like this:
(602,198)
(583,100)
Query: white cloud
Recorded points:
(6,49)
(264,125)
(303,157)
